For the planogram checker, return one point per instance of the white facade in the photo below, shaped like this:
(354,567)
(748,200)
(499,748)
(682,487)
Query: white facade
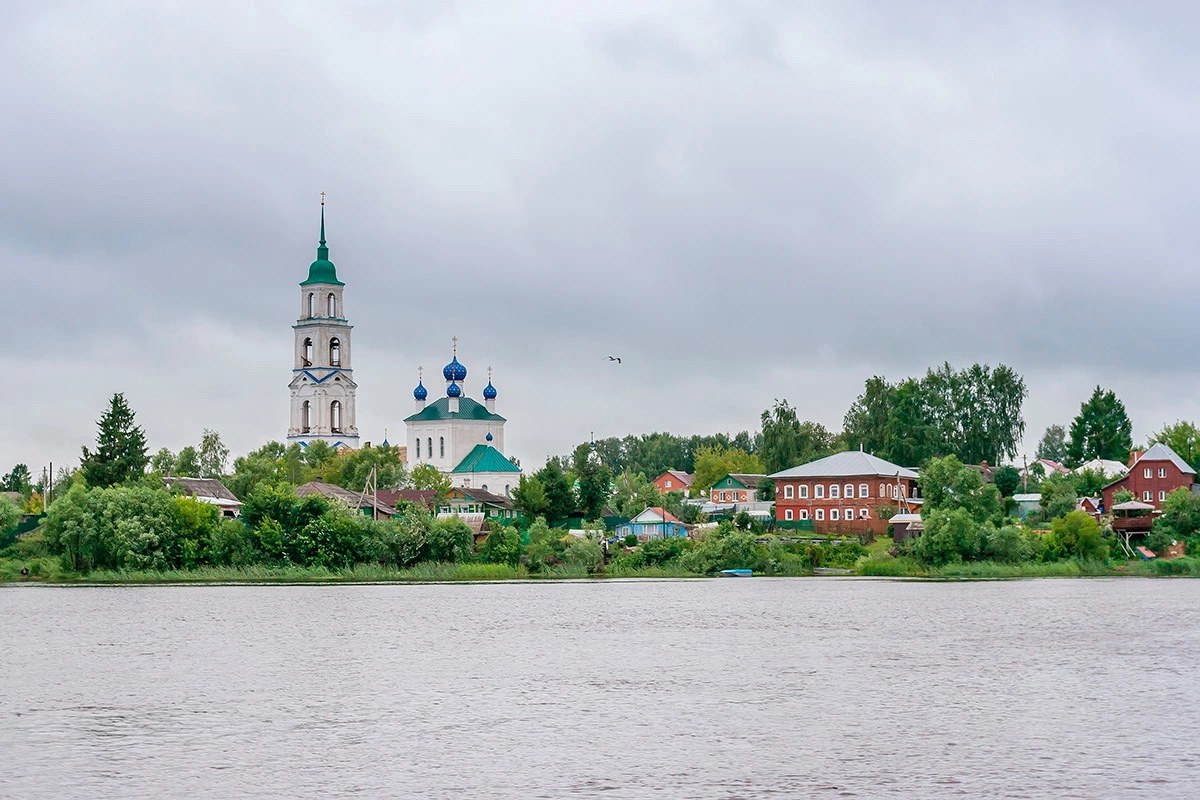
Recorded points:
(451,440)
(322,386)
(501,483)
(444,430)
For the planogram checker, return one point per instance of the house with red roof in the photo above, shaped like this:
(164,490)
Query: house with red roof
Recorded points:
(653,523)
(674,481)
(1156,473)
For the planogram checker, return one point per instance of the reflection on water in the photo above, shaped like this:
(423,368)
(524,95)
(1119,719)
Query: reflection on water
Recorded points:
(674,689)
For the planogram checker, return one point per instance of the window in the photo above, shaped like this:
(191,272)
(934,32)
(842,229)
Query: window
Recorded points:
(833,513)
(787,492)
(804,513)
(429,447)
(820,491)
(849,491)
(307,352)
(1147,472)
(1162,472)
(864,513)
(484,487)
(804,491)
(904,490)
(863,490)
(882,491)
(1147,496)
(787,515)
(418,447)
(442,446)
(335,353)
(306,417)
(668,483)
(834,491)
(312,304)
(332,305)
(335,416)
(820,515)
(893,491)
(1161,495)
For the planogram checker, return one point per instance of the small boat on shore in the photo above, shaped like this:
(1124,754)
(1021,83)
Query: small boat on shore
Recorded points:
(736,573)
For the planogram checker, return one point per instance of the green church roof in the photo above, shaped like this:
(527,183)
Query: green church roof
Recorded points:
(322,270)
(485,458)
(467,409)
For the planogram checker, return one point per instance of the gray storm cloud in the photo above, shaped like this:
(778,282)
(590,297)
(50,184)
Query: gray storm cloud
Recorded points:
(745,202)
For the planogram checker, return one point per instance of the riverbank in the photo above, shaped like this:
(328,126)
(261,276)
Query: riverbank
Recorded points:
(48,570)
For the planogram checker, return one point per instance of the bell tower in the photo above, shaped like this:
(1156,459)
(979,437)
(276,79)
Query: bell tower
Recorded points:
(322,387)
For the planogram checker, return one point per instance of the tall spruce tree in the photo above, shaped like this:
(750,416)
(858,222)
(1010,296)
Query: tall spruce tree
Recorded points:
(1102,430)
(121,452)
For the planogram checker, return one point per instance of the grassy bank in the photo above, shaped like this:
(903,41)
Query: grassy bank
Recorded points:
(48,570)
(886,566)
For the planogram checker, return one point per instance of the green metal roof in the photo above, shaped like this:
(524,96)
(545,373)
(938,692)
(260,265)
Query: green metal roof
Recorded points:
(467,409)
(322,270)
(485,458)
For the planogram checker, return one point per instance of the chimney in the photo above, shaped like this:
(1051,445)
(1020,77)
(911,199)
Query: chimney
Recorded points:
(1134,455)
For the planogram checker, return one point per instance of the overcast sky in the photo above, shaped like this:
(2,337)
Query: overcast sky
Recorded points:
(744,201)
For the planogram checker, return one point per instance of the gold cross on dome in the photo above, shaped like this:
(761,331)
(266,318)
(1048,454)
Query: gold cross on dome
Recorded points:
(322,198)
(455,340)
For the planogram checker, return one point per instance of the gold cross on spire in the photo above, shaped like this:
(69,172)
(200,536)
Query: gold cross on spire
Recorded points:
(455,340)
(322,199)
(489,374)
(420,374)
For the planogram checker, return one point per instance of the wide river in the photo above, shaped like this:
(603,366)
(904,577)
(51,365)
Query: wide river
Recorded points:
(617,689)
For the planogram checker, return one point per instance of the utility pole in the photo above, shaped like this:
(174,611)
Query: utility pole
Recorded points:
(45,491)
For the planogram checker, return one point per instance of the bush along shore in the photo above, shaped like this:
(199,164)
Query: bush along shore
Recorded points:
(139,531)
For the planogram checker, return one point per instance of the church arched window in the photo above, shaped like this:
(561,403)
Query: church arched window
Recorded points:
(332,305)
(335,416)
(442,446)
(429,447)
(335,353)
(306,417)
(312,305)
(308,347)
(418,447)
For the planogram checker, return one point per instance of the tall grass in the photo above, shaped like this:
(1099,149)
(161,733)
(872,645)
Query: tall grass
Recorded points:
(884,566)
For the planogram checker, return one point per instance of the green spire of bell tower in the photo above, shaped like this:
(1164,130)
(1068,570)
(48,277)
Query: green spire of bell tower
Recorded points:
(322,270)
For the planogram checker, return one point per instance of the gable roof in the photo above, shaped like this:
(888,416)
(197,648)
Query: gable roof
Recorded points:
(662,513)
(1162,452)
(1108,469)
(849,464)
(467,409)
(485,458)
(210,488)
(351,498)
(426,498)
(484,496)
(682,477)
(744,478)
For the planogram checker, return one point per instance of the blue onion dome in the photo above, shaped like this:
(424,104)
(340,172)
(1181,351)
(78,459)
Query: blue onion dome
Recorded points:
(420,392)
(489,436)
(453,390)
(489,392)
(454,371)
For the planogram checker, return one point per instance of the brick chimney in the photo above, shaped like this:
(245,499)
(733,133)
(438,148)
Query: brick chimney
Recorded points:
(1134,455)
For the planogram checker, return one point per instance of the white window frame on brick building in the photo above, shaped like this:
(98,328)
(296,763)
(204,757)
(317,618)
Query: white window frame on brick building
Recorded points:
(804,491)
(788,491)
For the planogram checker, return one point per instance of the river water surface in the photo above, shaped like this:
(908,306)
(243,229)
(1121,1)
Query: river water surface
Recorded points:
(616,689)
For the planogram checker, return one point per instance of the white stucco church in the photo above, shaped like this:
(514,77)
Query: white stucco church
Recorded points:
(456,434)
(461,436)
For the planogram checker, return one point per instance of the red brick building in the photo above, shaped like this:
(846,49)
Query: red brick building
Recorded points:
(1156,473)
(840,493)
(674,481)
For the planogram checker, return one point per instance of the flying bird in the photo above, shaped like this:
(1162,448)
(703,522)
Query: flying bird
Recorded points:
(615,358)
